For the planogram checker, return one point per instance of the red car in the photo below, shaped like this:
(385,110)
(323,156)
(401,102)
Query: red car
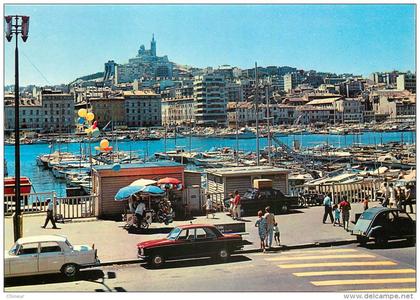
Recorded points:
(190,241)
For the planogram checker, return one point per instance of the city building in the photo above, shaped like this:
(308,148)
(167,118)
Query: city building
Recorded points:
(407,82)
(351,110)
(210,107)
(178,111)
(142,108)
(30,114)
(58,111)
(292,80)
(108,110)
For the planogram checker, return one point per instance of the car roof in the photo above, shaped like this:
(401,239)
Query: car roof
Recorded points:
(191,226)
(379,209)
(42,238)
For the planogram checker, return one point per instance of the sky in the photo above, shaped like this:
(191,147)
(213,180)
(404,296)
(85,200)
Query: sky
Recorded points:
(69,41)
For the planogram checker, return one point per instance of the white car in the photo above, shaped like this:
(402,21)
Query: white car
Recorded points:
(45,254)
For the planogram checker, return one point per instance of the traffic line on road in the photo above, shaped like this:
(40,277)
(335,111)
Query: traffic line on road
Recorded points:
(310,257)
(308,252)
(397,290)
(363,281)
(339,264)
(356,272)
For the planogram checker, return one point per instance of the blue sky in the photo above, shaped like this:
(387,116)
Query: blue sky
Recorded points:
(68,41)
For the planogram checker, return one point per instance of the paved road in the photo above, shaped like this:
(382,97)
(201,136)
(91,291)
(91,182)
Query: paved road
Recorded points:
(349,268)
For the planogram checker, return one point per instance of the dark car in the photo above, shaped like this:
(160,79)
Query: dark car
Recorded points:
(383,224)
(258,199)
(190,241)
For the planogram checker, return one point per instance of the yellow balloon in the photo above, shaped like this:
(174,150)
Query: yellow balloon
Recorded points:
(88,130)
(90,116)
(104,143)
(82,112)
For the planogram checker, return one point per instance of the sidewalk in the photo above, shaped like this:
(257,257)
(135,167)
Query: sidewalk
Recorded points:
(300,228)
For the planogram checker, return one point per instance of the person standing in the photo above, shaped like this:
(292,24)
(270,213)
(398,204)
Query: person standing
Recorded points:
(327,209)
(262,229)
(410,194)
(237,205)
(385,193)
(50,214)
(366,203)
(270,224)
(392,196)
(139,212)
(336,215)
(276,234)
(345,208)
(231,206)
(400,197)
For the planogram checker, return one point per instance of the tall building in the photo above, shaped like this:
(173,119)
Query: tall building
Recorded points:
(210,107)
(292,80)
(58,109)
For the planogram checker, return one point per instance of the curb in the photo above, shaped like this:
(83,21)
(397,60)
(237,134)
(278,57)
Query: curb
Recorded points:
(292,247)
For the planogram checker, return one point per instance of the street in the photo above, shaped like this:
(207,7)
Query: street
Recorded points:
(332,269)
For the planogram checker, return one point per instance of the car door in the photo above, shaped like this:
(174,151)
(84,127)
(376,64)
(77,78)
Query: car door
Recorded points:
(51,257)
(205,242)
(25,262)
(184,246)
(405,224)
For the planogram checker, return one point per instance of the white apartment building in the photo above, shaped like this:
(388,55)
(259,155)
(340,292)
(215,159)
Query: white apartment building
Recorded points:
(210,107)
(178,111)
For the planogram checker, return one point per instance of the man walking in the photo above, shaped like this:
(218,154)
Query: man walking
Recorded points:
(270,226)
(237,205)
(327,209)
(345,208)
(50,214)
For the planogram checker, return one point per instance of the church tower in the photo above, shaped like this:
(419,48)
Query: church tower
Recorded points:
(153,46)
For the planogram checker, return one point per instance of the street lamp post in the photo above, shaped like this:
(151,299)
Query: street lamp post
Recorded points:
(21,25)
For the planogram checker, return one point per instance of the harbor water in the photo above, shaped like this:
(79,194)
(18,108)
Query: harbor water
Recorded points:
(44,181)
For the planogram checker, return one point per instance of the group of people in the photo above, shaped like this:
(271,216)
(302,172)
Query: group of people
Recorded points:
(267,228)
(342,209)
(397,197)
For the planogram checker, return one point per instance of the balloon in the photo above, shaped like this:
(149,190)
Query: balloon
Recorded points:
(82,112)
(104,143)
(97,148)
(96,132)
(95,124)
(116,167)
(88,130)
(81,121)
(109,148)
(90,116)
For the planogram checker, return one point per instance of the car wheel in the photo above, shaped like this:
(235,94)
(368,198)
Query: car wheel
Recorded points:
(157,260)
(361,240)
(223,255)
(70,270)
(284,208)
(381,241)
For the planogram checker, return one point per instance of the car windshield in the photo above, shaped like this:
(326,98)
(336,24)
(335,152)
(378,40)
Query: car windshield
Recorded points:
(250,194)
(174,233)
(367,215)
(14,249)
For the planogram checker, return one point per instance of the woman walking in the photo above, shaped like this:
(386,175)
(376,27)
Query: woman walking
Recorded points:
(262,229)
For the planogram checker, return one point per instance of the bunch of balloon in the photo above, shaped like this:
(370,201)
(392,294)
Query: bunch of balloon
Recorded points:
(104,146)
(85,120)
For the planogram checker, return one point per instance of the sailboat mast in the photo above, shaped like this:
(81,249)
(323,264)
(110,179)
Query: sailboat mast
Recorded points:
(257,132)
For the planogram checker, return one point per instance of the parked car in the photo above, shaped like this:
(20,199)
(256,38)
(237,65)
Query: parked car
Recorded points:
(190,241)
(45,254)
(383,224)
(258,199)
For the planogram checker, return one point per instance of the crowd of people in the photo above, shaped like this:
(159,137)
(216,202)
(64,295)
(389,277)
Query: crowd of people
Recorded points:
(397,196)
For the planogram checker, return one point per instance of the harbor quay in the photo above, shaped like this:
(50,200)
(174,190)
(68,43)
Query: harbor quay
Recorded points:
(302,228)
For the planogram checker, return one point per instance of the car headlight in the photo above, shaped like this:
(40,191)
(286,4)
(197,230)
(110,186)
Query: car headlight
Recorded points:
(141,251)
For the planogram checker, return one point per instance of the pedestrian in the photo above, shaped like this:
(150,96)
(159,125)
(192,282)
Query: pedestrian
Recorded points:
(366,203)
(327,209)
(276,233)
(237,205)
(139,212)
(209,207)
(392,196)
(336,215)
(385,193)
(345,208)
(271,220)
(50,214)
(410,194)
(400,197)
(231,206)
(262,229)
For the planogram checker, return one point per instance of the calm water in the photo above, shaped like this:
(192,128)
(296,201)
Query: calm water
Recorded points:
(43,180)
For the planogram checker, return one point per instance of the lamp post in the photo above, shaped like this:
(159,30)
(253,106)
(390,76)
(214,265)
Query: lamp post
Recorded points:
(20,25)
